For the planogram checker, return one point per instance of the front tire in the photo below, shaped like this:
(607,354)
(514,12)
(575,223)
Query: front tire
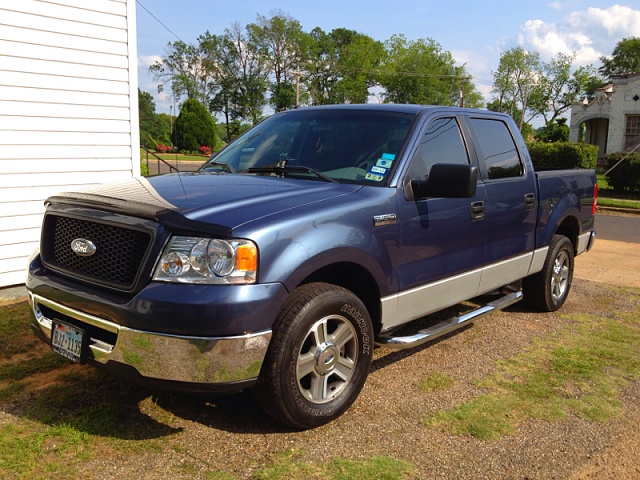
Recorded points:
(548,289)
(319,356)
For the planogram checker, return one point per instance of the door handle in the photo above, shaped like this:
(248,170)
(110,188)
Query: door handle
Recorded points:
(477,210)
(529,201)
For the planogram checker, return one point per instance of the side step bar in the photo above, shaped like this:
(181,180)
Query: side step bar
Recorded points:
(449,325)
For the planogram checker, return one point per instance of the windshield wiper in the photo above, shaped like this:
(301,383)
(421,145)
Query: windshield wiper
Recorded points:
(282,169)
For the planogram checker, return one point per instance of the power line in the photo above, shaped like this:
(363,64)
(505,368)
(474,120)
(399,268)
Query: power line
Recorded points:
(159,21)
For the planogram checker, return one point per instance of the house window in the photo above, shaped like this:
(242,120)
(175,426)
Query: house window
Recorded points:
(632,132)
(633,125)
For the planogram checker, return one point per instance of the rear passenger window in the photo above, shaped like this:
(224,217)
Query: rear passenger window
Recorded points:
(499,150)
(442,143)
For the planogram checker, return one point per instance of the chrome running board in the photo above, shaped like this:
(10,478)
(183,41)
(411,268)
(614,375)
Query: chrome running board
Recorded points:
(449,325)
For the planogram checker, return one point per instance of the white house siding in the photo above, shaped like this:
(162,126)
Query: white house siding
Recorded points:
(68,110)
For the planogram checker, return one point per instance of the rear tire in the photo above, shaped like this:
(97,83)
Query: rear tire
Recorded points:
(548,289)
(319,356)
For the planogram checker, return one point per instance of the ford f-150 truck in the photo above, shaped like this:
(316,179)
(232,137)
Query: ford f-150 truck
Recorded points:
(309,240)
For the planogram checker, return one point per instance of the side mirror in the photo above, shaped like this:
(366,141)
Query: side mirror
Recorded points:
(447,180)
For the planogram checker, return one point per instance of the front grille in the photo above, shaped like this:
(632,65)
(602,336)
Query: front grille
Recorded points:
(119,255)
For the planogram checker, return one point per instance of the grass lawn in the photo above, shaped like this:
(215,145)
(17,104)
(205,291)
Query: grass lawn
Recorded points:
(173,157)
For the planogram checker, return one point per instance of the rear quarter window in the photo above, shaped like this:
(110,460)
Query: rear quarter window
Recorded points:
(498,148)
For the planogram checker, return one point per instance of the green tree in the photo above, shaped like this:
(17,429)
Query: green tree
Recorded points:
(147,117)
(239,83)
(469,95)
(163,125)
(183,70)
(558,88)
(195,127)
(515,80)
(282,46)
(625,58)
(342,66)
(154,128)
(421,72)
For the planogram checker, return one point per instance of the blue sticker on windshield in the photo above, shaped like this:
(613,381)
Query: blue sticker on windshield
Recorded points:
(384,163)
(389,156)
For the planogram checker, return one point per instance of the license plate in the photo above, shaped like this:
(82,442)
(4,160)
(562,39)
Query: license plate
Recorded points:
(67,340)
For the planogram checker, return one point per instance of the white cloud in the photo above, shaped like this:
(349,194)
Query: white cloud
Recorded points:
(479,67)
(590,33)
(148,60)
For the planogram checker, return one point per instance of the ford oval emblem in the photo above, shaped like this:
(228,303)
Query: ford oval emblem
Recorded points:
(83,247)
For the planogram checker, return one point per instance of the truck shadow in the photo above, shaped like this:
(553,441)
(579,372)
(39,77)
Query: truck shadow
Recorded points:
(102,405)
(235,413)
(92,403)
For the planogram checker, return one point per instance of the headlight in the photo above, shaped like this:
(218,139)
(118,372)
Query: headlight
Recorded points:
(208,260)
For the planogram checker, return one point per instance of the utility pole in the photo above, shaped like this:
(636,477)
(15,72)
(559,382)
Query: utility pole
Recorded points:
(297,74)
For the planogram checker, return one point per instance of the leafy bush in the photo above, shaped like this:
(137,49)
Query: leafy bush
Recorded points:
(204,150)
(626,176)
(195,127)
(563,155)
(144,169)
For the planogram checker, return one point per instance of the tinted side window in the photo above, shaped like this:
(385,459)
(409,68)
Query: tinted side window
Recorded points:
(500,152)
(442,143)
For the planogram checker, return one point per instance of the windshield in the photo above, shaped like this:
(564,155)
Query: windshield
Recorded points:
(352,146)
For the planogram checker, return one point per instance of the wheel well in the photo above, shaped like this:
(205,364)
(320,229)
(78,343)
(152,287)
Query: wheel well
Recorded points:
(356,279)
(570,229)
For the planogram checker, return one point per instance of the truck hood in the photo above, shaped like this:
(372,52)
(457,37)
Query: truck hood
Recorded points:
(209,202)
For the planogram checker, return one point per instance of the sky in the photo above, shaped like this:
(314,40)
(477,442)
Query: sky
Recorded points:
(475,32)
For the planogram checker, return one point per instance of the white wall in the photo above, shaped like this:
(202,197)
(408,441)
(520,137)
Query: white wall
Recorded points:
(68,110)
(625,88)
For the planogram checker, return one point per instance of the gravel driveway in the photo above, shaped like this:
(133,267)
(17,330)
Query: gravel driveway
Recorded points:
(231,435)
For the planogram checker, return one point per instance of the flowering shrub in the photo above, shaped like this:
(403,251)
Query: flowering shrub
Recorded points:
(160,148)
(205,150)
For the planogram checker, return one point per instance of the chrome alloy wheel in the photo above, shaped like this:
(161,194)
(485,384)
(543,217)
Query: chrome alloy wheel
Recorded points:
(327,359)
(560,276)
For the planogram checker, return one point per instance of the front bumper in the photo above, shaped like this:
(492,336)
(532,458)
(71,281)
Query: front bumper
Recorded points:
(168,361)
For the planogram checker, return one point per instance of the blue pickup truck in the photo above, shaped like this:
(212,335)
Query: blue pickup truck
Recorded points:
(315,236)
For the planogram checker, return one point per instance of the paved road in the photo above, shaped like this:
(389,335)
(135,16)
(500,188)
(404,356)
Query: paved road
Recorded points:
(618,228)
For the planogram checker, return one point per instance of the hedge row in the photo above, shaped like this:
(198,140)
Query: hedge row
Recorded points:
(625,177)
(563,155)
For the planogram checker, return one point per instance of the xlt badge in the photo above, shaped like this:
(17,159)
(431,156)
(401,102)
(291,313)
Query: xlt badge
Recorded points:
(386,219)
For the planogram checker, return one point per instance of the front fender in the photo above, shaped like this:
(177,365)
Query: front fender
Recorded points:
(291,261)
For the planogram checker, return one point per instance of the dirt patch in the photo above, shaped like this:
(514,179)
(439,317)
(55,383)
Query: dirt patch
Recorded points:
(615,263)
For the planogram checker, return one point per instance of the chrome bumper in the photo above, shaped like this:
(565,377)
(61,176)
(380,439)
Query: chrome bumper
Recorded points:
(157,356)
